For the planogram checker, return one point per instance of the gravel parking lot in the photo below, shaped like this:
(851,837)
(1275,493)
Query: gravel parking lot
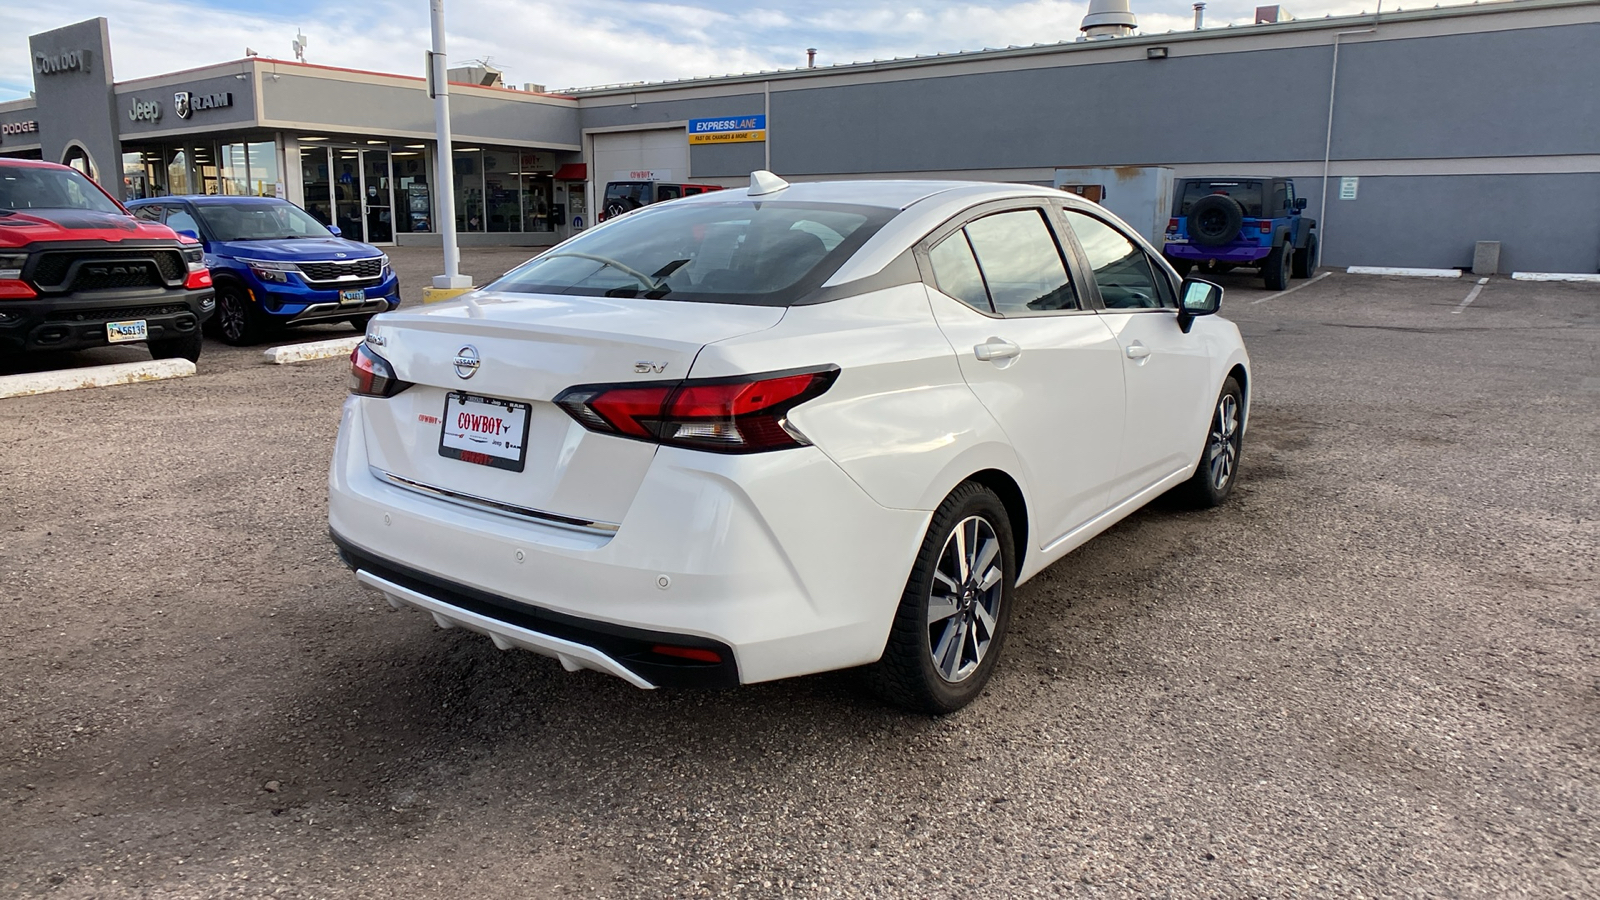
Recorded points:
(1374,672)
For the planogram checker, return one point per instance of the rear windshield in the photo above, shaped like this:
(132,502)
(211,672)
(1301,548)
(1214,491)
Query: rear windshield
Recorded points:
(259,221)
(756,253)
(1248,193)
(31,187)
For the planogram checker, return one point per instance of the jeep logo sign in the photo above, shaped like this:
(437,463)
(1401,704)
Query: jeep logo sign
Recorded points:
(63,61)
(185,103)
(145,111)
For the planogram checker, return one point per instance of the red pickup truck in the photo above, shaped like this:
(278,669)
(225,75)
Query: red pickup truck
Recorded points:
(77,271)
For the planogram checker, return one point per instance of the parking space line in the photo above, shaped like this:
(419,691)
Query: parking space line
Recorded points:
(1471,295)
(1303,284)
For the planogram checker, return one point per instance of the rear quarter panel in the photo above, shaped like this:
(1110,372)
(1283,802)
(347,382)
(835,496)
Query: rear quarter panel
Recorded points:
(900,420)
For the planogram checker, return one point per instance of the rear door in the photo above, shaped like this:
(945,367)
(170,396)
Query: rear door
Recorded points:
(1041,361)
(1167,372)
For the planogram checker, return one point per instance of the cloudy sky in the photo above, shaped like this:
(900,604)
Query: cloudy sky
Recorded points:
(582,42)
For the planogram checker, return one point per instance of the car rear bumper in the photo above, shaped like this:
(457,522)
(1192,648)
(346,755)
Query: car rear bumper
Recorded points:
(779,558)
(1228,254)
(78,321)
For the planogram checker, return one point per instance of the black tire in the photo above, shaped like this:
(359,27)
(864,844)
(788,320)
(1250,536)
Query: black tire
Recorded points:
(1181,266)
(1275,268)
(1305,259)
(185,346)
(907,675)
(1215,220)
(1218,468)
(236,320)
(360,323)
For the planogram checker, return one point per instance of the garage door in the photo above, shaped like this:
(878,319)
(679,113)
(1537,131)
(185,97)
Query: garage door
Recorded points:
(664,152)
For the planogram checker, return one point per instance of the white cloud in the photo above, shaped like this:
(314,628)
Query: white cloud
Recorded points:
(563,44)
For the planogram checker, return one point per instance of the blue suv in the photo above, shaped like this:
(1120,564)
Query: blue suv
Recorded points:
(273,264)
(1219,223)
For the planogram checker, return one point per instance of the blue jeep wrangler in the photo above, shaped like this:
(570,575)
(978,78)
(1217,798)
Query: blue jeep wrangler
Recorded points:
(1219,223)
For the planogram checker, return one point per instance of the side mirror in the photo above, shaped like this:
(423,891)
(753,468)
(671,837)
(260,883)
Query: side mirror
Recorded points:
(1197,297)
(191,235)
(334,230)
(1300,203)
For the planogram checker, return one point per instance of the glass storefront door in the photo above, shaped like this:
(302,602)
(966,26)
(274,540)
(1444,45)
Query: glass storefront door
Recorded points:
(347,200)
(352,188)
(379,202)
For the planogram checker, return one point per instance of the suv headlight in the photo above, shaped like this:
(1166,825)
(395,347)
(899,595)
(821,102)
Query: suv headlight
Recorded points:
(11,265)
(271,270)
(385,258)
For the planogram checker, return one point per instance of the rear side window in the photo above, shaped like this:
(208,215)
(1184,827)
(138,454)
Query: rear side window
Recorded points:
(1021,263)
(151,213)
(626,195)
(1248,193)
(770,253)
(955,270)
(1121,269)
(178,219)
(668,192)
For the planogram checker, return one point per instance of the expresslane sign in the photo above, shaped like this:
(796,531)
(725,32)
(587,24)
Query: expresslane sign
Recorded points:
(728,130)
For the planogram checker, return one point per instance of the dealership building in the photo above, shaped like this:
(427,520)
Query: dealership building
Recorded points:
(1414,134)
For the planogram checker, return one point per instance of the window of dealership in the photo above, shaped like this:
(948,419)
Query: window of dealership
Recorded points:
(372,189)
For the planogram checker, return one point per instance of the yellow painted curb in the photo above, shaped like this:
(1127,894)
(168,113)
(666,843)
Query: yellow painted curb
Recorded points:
(434,295)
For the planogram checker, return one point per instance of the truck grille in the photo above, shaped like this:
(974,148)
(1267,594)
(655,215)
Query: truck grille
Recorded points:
(346,269)
(119,313)
(101,270)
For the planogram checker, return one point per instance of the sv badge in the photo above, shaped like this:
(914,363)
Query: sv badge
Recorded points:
(645,367)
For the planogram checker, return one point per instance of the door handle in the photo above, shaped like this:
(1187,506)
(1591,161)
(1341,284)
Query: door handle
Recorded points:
(1137,350)
(996,348)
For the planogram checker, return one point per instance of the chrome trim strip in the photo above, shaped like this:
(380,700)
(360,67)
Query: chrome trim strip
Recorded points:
(482,504)
(573,656)
(339,310)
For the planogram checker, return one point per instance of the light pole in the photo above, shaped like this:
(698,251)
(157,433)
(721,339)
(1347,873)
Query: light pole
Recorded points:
(439,88)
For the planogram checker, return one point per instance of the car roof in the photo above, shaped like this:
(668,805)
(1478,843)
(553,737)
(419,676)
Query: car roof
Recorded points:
(210,199)
(884,193)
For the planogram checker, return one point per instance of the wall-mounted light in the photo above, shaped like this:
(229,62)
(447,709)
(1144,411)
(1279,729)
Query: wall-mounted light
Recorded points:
(1155,53)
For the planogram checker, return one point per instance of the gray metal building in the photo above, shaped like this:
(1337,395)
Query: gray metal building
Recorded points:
(1435,128)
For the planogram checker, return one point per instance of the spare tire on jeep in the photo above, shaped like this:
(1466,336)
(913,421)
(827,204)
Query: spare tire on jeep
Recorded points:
(1215,220)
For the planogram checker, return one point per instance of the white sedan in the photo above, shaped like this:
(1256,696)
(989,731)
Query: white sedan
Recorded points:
(762,433)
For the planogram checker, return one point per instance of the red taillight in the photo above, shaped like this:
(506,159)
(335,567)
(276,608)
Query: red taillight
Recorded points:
(1172,224)
(698,654)
(372,376)
(727,415)
(12,289)
(1266,226)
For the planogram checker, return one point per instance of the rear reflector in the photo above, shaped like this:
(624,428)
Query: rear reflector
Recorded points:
(698,654)
(746,414)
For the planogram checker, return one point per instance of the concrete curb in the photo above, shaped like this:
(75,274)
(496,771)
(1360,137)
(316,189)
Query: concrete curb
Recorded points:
(1555,276)
(1413,273)
(93,376)
(294,353)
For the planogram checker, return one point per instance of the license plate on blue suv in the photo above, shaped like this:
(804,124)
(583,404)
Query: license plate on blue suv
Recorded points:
(354,295)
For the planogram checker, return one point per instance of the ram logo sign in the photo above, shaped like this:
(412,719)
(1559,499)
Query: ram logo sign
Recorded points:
(185,103)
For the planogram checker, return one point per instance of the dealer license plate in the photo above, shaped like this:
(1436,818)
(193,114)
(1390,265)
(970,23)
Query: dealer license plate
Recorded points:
(120,332)
(485,430)
(1177,240)
(354,295)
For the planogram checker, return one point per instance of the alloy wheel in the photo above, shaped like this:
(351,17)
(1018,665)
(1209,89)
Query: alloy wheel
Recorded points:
(964,602)
(230,316)
(1222,450)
